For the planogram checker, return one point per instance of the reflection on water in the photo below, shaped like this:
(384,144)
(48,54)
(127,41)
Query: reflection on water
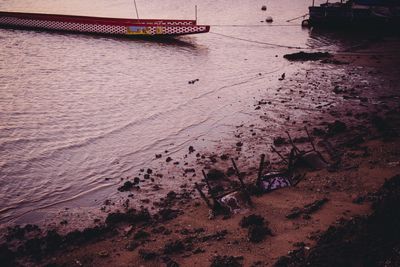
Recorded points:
(347,40)
(80,112)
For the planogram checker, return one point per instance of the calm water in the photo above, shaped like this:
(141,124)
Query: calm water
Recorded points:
(75,110)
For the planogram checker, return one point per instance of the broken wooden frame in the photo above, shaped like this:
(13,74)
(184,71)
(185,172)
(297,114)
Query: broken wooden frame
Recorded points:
(294,157)
(243,188)
(268,181)
(297,155)
(288,175)
(217,204)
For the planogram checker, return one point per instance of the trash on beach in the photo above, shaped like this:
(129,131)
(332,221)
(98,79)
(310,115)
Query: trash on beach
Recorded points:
(297,158)
(230,202)
(269,19)
(238,198)
(233,202)
(272,181)
(309,158)
(264,8)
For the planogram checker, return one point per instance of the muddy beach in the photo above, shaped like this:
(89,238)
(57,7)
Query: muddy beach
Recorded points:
(332,216)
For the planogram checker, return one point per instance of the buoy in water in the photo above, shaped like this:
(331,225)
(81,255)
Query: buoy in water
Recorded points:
(264,8)
(305,23)
(269,19)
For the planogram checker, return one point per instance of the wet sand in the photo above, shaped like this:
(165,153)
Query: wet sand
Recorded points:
(364,102)
(71,128)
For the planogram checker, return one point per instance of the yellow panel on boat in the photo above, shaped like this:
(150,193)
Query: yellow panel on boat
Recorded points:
(138,30)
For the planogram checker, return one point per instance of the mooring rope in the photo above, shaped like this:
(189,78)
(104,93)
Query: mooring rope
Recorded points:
(343,51)
(299,17)
(259,42)
(254,25)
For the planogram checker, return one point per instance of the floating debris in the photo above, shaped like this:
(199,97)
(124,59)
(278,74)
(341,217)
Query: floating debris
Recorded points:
(193,81)
(304,56)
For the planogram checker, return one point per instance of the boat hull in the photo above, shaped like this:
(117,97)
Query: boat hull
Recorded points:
(99,25)
(345,15)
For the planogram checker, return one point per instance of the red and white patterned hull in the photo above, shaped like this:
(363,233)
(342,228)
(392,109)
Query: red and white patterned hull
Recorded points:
(98,25)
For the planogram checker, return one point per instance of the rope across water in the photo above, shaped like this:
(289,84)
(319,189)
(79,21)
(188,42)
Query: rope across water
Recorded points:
(259,42)
(344,51)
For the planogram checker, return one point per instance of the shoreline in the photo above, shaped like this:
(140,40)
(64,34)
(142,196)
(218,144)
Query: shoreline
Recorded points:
(183,234)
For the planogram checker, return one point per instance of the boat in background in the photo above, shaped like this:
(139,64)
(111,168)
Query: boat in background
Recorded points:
(100,25)
(355,13)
